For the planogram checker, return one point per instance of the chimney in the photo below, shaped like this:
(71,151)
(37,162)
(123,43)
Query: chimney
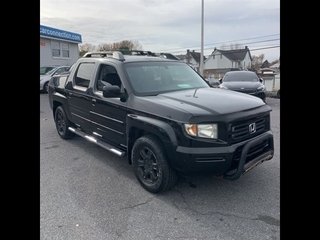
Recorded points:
(188,56)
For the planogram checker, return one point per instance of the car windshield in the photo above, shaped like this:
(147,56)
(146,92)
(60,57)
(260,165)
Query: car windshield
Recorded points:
(151,78)
(44,70)
(241,77)
(51,71)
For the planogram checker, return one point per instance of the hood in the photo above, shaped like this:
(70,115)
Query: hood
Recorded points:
(200,102)
(45,77)
(241,85)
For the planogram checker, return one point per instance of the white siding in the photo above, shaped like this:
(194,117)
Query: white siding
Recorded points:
(276,82)
(210,63)
(46,53)
(246,64)
(223,62)
(217,61)
(268,83)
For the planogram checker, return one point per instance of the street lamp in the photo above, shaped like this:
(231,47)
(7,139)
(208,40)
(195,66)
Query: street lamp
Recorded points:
(201,54)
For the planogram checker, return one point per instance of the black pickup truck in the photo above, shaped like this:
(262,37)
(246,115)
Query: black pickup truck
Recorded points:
(161,116)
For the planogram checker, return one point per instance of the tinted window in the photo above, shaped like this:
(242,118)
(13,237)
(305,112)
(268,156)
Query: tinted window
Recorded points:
(107,76)
(84,74)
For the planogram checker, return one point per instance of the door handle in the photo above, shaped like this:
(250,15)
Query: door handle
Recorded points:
(93,101)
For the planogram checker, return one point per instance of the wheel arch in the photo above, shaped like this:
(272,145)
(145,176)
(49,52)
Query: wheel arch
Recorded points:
(138,126)
(59,100)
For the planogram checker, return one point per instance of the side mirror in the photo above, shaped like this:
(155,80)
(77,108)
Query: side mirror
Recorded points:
(111,91)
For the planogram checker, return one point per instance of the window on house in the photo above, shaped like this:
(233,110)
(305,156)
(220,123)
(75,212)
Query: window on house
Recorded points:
(213,56)
(60,49)
(220,56)
(55,46)
(65,50)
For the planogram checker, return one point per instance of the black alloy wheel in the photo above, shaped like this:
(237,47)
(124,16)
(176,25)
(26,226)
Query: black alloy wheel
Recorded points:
(63,123)
(151,165)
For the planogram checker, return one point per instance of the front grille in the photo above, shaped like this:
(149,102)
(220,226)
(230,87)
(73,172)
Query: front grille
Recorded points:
(253,152)
(241,130)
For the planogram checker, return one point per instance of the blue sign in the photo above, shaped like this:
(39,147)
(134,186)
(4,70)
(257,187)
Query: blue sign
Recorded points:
(57,33)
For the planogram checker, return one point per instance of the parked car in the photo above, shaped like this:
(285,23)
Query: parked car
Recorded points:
(45,69)
(245,82)
(214,82)
(45,78)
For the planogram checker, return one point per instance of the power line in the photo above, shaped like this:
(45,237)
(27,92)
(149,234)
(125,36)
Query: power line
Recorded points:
(173,50)
(252,50)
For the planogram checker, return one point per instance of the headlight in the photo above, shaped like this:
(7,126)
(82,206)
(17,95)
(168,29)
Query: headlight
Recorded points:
(223,87)
(260,89)
(202,130)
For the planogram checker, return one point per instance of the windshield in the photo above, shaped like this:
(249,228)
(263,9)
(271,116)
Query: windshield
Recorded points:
(241,77)
(158,77)
(44,70)
(51,71)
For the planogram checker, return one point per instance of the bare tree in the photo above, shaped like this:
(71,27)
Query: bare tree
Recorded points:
(231,46)
(257,62)
(86,47)
(224,47)
(235,46)
(124,45)
(105,47)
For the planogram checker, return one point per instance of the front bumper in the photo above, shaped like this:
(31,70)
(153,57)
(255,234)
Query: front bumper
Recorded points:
(230,162)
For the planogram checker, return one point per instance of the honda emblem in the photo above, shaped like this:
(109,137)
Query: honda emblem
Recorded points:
(252,128)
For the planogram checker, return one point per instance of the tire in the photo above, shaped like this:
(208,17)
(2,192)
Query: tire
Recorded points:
(278,93)
(63,123)
(151,166)
(45,87)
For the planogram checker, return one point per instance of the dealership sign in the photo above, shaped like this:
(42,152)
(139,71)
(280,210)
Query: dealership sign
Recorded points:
(61,34)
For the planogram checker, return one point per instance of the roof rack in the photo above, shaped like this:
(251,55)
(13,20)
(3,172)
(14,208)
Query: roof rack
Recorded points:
(103,54)
(119,54)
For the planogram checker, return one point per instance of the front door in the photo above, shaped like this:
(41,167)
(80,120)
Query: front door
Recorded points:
(108,115)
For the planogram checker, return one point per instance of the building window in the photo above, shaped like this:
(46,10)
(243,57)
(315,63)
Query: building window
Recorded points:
(65,50)
(55,46)
(213,56)
(220,56)
(60,49)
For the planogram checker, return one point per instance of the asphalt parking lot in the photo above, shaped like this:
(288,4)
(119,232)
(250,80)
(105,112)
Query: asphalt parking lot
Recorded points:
(88,193)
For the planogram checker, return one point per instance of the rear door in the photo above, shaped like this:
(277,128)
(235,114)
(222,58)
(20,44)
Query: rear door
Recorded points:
(79,95)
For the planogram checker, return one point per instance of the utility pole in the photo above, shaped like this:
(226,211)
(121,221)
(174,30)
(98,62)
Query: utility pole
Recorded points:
(201,55)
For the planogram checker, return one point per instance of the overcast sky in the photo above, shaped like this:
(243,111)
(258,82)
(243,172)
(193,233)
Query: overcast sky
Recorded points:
(171,25)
